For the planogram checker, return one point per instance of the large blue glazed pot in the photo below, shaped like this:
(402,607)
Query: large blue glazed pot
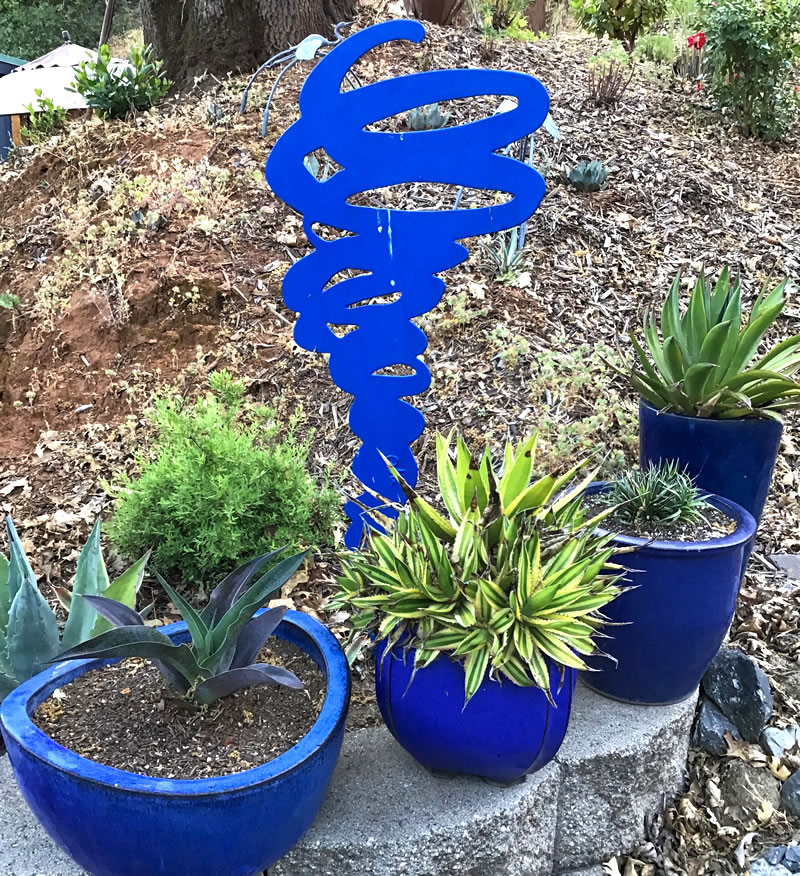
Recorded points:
(676,615)
(116,823)
(731,458)
(505,731)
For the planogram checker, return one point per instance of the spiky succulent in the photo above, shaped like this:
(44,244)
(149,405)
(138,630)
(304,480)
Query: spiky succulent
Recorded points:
(427,118)
(512,578)
(226,637)
(703,362)
(662,493)
(588,176)
(29,633)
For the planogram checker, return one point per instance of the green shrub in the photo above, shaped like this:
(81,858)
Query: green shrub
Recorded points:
(45,120)
(222,488)
(751,51)
(116,93)
(656,47)
(620,20)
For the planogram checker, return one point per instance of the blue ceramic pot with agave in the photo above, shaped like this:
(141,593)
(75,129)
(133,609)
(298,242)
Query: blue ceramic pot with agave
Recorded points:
(685,550)
(712,398)
(482,617)
(115,822)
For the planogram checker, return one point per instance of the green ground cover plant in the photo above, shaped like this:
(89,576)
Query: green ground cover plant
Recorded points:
(221,486)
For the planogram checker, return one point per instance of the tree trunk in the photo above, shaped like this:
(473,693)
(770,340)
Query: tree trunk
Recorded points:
(223,36)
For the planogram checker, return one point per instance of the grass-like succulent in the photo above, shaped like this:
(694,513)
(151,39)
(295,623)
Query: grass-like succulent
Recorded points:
(662,493)
(705,362)
(29,632)
(226,637)
(511,578)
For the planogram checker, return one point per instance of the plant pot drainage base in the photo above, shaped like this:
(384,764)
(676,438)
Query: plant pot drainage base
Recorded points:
(386,815)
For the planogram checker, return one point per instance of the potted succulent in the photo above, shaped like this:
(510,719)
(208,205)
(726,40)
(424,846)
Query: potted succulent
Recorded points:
(707,398)
(29,633)
(129,807)
(688,553)
(482,617)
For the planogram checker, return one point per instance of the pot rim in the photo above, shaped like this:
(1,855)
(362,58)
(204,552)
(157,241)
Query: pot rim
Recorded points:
(744,532)
(723,424)
(16,723)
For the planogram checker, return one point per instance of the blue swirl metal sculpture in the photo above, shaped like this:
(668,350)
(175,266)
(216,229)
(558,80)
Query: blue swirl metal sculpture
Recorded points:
(398,252)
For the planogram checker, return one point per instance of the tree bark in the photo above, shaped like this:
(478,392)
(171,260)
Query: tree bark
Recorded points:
(223,36)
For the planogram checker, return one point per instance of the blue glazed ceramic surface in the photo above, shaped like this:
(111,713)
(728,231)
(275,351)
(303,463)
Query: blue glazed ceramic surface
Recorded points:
(676,616)
(731,458)
(115,823)
(504,732)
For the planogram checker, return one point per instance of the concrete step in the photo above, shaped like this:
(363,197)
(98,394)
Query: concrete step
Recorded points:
(386,816)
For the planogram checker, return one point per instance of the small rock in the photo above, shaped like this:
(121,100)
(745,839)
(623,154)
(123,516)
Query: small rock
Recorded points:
(738,685)
(762,867)
(710,729)
(789,563)
(775,855)
(776,740)
(790,794)
(791,859)
(744,788)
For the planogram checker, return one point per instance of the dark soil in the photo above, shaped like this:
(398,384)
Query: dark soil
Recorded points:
(715,524)
(124,716)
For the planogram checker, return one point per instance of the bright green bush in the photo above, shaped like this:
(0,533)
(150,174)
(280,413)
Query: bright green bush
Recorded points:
(657,47)
(751,51)
(46,119)
(116,93)
(621,20)
(222,487)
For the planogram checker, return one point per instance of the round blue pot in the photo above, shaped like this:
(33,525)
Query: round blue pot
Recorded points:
(676,615)
(116,823)
(730,458)
(505,731)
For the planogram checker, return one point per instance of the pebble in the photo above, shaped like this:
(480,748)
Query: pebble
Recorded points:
(737,684)
(710,729)
(776,740)
(775,855)
(760,867)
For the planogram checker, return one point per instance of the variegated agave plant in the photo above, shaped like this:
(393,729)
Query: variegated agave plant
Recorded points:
(512,578)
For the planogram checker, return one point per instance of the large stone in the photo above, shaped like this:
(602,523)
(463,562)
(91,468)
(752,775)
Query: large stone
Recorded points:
(761,867)
(620,763)
(789,563)
(745,789)
(710,729)
(775,855)
(791,860)
(386,815)
(790,794)
(738,685)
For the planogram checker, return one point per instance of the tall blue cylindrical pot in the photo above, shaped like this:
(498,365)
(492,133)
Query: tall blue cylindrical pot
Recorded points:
(675,617)
(503,733)
(116,823)
(731,458)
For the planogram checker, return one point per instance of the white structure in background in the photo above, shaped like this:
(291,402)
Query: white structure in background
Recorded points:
(54,74)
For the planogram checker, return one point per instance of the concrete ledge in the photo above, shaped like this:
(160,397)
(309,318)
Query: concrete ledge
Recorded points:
(386,816)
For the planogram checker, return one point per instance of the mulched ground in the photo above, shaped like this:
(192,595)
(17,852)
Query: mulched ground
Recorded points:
(126,717)
(684,191)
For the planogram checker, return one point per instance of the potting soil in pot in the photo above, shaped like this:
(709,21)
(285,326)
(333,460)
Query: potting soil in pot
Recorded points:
(125,716)
(715,524)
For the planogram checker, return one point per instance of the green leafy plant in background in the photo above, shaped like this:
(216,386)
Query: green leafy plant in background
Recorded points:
(29,633)
(221,486)
(226,637)
(115,93)
(511,578)
(704,362)
(503,18)
(426,118)
(46,119)
(9,301)
(657,47)
(657,494)
(621,20)
(750,61)
(588,176)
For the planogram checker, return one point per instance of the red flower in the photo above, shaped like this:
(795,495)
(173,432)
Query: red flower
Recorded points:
(699,86)
(697,40)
